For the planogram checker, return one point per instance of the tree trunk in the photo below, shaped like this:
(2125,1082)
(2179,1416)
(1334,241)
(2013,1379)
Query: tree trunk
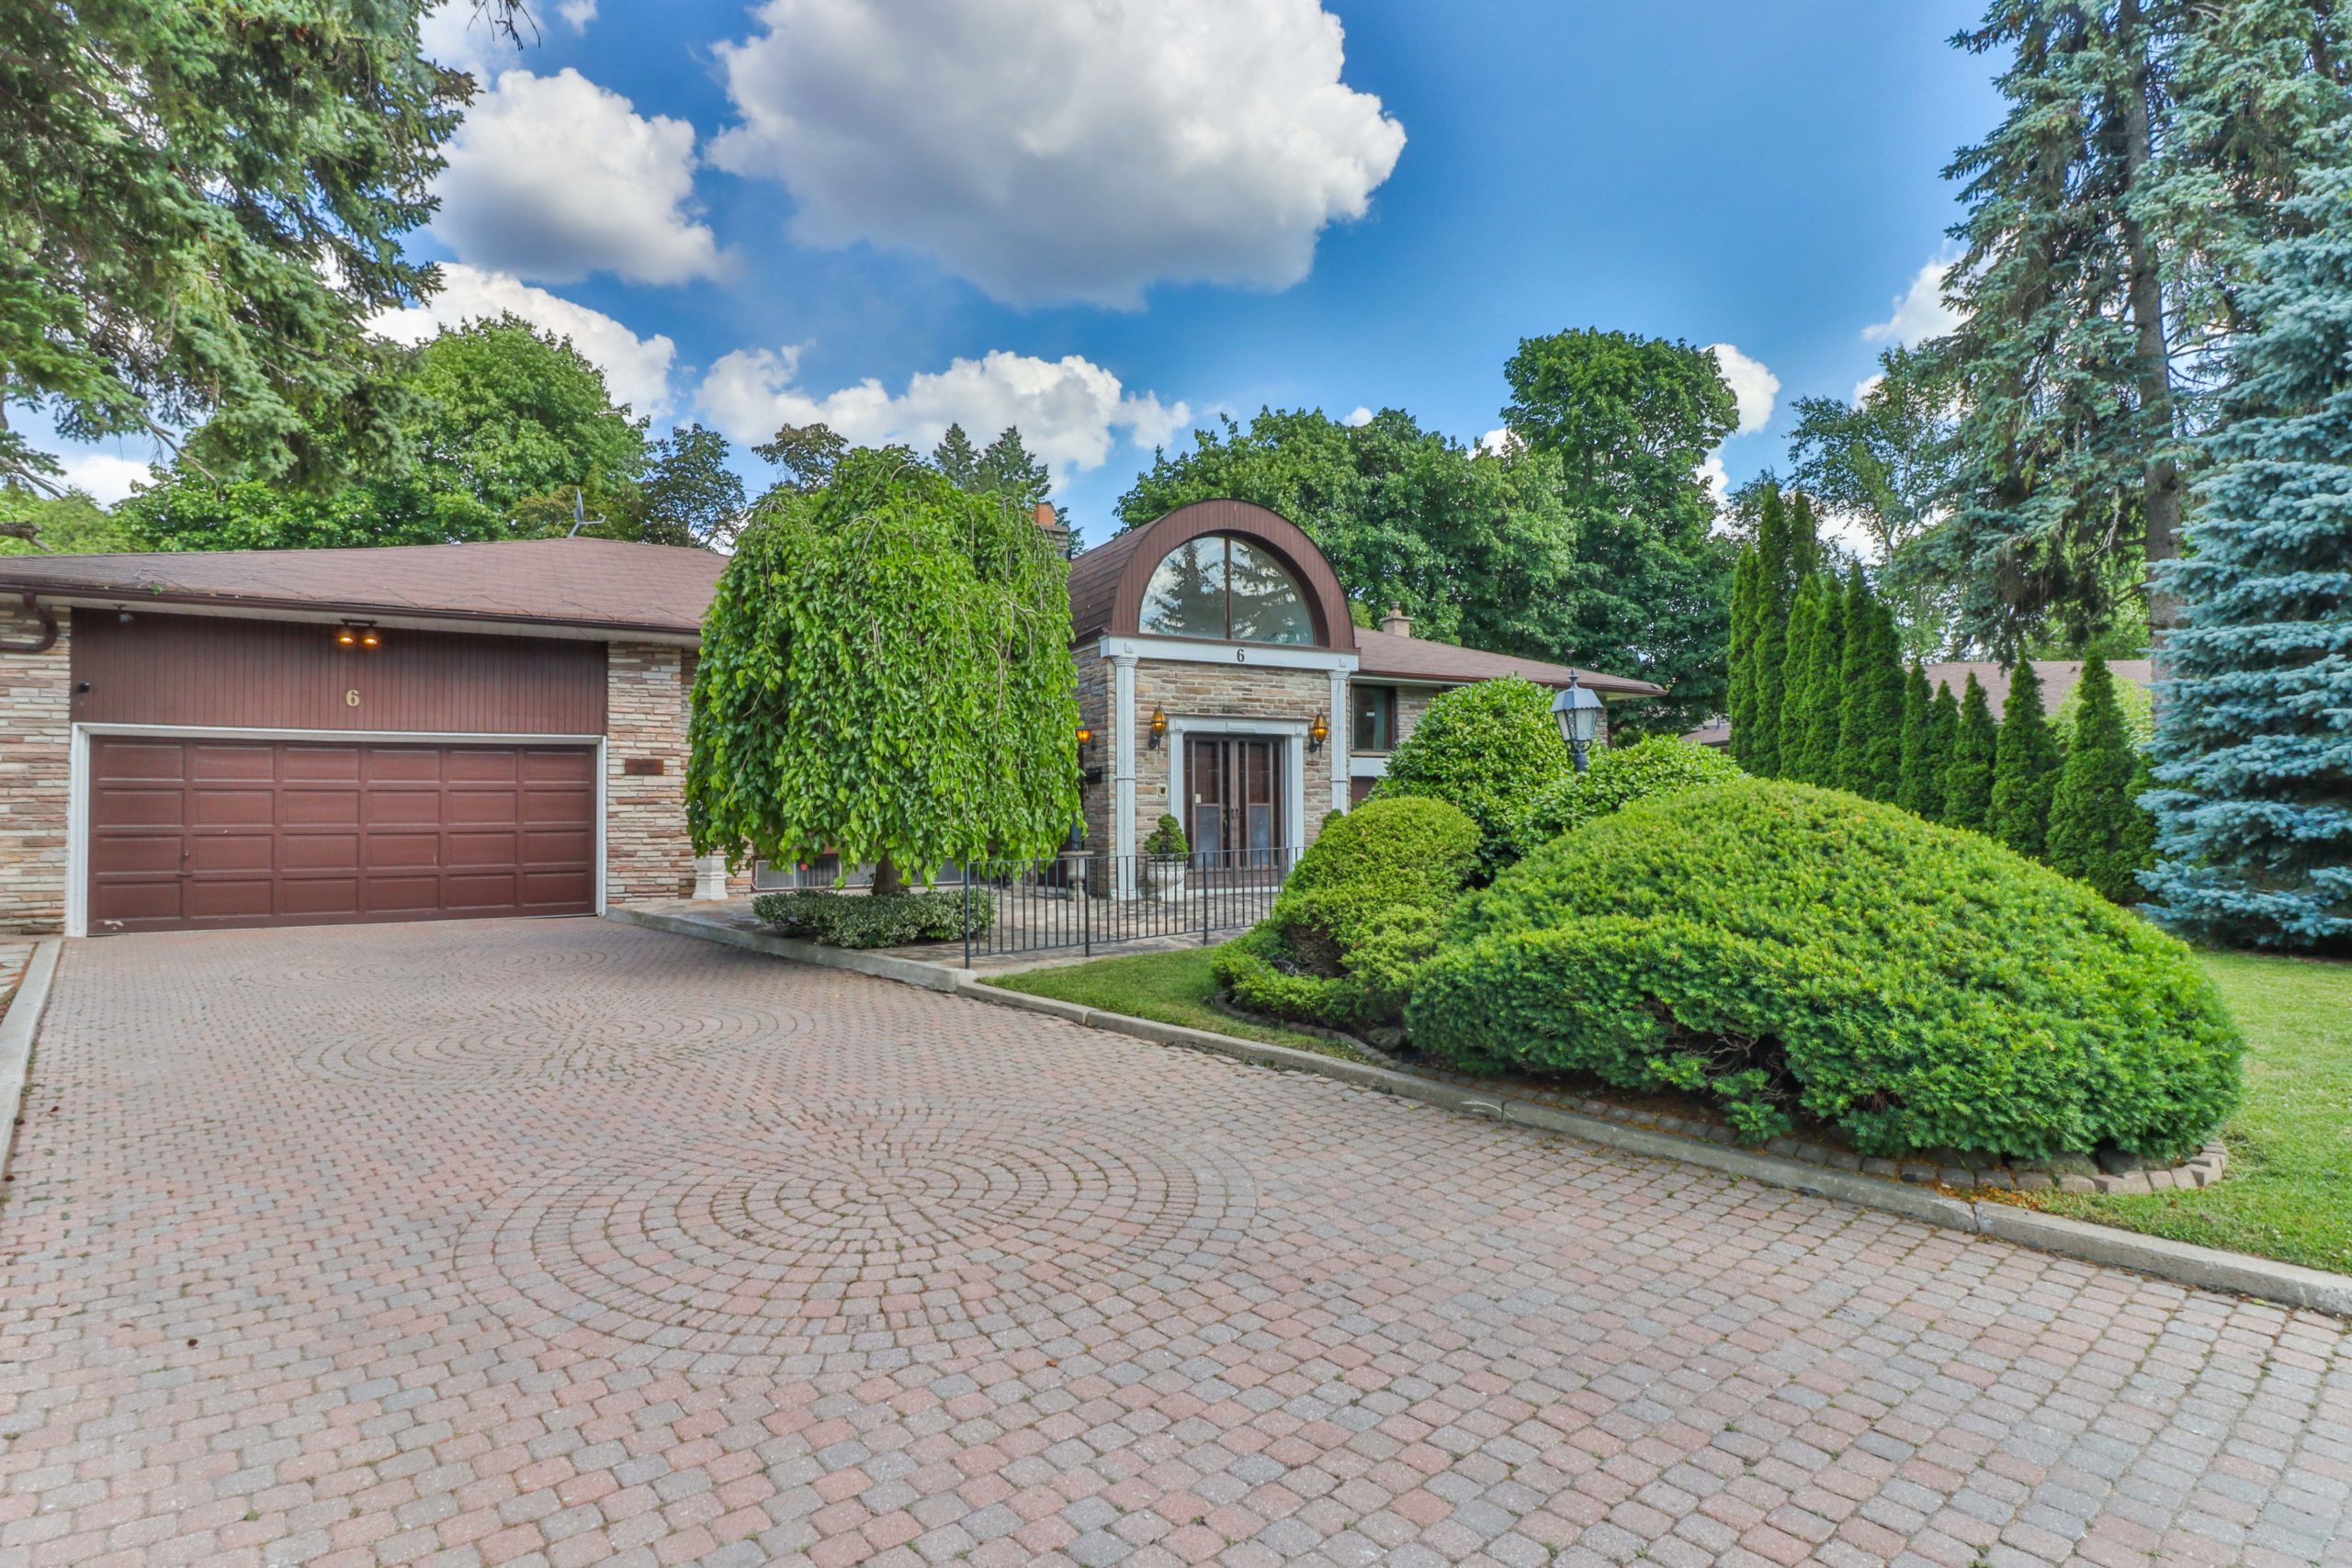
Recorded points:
(886,880)
(2160,496)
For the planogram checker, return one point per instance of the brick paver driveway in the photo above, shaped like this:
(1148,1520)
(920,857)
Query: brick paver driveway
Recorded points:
(565,1241)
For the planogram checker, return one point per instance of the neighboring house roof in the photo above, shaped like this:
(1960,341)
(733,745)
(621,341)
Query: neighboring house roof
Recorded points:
(1417,658)
(1717,734)
(601,584)
(2058,677)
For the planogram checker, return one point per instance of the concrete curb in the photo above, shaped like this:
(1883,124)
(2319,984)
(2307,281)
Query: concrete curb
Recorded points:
(17,1029)
(907,971)
(2204,1267)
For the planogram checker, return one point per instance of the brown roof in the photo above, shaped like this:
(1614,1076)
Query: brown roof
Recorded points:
(1094,580)
(2058,677)
(605,584)
(1416,659)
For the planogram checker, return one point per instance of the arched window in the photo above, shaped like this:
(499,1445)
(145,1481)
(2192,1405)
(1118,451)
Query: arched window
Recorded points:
(1220,587)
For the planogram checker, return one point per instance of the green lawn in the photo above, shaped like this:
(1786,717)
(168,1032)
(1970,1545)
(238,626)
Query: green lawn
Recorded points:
(1170,987)
(2288,1194)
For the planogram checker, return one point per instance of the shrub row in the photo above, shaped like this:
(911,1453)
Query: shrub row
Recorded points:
(860,920)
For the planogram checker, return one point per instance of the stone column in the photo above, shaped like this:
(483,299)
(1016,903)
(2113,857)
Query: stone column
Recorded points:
(1123,773)
(1341,745)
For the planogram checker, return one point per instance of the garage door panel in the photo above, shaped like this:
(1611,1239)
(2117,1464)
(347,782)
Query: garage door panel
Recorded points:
(481,807)
(314,806)
(402,852)
(554,891)
(542,765)
(199,833)
(318,764)
(318,898)
(481,767)
(231,852)
(251,763)
(226,898)
(317,852)
(215,805)
(122,806)
(402,807)
(477,848)
(399,764)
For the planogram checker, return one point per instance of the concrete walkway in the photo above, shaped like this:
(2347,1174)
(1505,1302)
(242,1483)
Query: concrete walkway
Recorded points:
(568,1242)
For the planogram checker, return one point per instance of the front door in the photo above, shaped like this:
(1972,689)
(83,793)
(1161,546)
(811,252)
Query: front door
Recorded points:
(1234,782)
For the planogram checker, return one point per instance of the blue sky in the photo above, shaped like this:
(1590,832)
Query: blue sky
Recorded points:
(1110,221)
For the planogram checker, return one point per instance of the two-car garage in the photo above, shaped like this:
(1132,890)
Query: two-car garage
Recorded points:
(212,739)
(194,833)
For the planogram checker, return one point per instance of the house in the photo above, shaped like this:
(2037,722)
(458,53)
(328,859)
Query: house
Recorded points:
(434,731)
(1225,682)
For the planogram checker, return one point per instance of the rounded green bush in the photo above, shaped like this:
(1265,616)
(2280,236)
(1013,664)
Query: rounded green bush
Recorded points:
(1356,917)
(1918,986)
(1618,776)
(1488,749)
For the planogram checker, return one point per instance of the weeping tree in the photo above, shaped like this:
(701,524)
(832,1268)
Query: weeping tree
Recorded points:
(885,675)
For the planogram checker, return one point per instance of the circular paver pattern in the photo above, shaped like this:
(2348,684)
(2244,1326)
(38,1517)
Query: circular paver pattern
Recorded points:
(852,1228)
(546,1040)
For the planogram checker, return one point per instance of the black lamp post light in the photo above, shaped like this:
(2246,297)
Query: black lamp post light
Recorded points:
(1578,712)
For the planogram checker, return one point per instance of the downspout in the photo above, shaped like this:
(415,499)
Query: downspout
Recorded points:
(47,639)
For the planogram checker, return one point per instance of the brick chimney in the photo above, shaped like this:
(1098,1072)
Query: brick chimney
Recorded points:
(1397,623)
(1050,522)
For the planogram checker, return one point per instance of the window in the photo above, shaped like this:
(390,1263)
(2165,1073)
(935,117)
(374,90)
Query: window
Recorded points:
(1376,710)
(1223,588)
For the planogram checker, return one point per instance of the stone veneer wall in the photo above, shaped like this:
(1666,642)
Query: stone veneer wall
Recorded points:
(36,766)
(1225,691)
(1094,697)
(648,855)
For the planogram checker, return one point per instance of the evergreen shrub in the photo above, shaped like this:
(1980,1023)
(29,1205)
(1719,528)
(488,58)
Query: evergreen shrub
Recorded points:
(1357,916)
(1658,765)
(1781,946)
(874,919)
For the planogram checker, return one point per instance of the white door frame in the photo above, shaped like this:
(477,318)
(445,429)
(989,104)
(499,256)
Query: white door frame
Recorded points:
(1291,731)
(77,808)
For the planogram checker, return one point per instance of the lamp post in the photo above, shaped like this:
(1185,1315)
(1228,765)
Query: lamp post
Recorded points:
(1578,712)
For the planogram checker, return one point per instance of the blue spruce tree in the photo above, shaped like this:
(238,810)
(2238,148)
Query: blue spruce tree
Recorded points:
(2253,733)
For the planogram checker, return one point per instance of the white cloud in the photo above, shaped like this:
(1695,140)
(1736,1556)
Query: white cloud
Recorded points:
(1499,441)
(579,12)
(554,177)
(637,369)
(1070,409)
(1866,386)
(1061,149)
(458,34)
(106,476)
(1754,386)
(1358,415)
(1712,475)
(1920,313)
(1849,532)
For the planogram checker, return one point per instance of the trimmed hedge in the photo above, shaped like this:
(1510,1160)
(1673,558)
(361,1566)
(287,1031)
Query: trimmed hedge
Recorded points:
(1358,914)
(865,919)
(1487,748)
(1619,776)
(1780,945)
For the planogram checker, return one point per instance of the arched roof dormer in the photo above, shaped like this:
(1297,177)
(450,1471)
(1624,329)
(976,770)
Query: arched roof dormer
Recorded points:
(1248,569)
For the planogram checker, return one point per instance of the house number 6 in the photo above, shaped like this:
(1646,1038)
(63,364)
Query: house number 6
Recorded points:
(351,698)
(1242,656)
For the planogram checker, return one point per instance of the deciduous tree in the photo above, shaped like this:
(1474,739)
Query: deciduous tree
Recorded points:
(885,673)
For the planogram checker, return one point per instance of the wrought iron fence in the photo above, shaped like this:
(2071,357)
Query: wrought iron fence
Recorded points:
(1087,900)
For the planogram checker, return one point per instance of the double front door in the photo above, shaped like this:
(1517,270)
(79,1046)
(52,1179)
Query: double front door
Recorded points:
(1234,788)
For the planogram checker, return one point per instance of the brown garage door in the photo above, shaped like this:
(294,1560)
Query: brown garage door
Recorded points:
(208,834)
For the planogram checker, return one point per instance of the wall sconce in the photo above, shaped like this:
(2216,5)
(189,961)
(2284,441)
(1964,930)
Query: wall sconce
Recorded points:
(1085,738)
(356,633)
(1159,727)
(1316,733)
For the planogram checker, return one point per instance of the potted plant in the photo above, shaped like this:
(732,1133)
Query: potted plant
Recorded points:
(1165,851)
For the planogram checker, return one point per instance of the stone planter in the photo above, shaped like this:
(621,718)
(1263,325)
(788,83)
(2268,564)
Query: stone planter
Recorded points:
(1165,877)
